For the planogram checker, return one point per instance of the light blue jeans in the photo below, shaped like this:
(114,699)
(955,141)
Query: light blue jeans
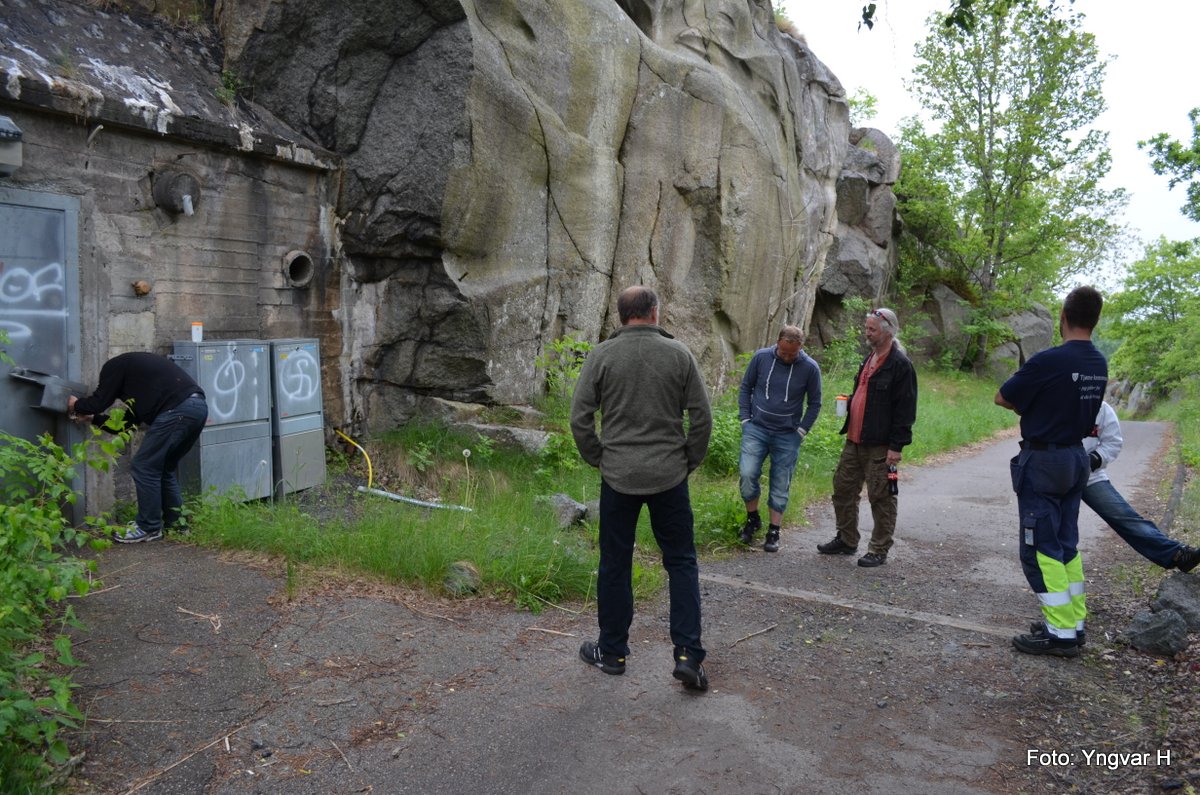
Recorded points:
(1137,531)
(784,449)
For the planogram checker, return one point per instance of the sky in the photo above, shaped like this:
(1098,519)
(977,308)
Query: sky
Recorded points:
(1149,87)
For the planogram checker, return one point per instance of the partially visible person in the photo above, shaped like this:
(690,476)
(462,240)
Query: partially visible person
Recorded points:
(161,396)
(1058,393)
(642,382)
(778,403)
(1102,497)
(881,412)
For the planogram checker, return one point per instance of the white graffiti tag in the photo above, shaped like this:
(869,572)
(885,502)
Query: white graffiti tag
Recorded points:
(226,384)
(299,375)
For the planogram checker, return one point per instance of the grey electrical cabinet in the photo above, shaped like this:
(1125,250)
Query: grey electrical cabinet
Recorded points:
(297,415)
(233,455)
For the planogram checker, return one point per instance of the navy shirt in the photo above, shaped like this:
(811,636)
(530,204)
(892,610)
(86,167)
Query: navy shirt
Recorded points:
(1058,392)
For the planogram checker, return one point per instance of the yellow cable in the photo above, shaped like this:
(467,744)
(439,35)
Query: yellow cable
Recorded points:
(370,471)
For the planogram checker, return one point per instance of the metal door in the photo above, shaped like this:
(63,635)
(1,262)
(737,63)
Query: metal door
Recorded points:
(39,305)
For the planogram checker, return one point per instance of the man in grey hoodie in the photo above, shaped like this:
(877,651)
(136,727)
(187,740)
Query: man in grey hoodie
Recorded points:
(642,381)
(778,403)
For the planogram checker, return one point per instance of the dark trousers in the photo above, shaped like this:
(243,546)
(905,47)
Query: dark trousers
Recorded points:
(1049,485)
(671,521)
(155,465)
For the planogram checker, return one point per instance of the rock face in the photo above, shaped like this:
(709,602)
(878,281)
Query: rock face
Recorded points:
(863,257)
(510,168)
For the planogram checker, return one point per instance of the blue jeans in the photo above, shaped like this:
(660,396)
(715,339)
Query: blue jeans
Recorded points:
(155,465)
(784,449)
(1138,532)
(671,521)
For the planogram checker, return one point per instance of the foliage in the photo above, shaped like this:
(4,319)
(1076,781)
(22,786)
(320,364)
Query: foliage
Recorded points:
(1180,161)
(231,86)
(562,362)
(785,24)
(1004,196)
(1156,314)
(962,14)
(863,107)
(843,355)
(36,576)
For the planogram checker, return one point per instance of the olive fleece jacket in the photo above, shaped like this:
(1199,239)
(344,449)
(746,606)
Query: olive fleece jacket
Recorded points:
(642,381)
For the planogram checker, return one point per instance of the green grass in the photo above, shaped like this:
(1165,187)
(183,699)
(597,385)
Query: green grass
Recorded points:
(510,535)
(1183,409)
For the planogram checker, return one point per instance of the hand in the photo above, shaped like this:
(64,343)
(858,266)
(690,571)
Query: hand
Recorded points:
(893,457)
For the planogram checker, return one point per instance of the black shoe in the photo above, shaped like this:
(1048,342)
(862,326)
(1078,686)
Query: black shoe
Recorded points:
(1040,627)
(1186,559)
(688,671)
(1042,642)
(749,530)
(771,542)
(836,547)
(590,653)
(872,559)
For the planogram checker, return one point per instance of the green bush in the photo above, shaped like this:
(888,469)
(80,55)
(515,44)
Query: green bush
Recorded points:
(36,576)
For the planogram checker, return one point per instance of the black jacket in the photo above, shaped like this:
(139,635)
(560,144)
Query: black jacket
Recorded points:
(891,402)
(148,384)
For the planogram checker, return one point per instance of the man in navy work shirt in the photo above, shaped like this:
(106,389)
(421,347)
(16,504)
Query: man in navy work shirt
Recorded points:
(778,403)
(161,396)
(1058,393)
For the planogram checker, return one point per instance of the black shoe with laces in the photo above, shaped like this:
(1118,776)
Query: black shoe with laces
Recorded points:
(1040,626)
(872,559)
(1042,642)
(836,547)
(590,653)
(749,530)
(688,671)
(771,542)
(1186,559)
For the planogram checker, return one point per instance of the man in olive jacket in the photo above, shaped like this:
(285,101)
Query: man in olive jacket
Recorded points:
(643,381)
(879,420)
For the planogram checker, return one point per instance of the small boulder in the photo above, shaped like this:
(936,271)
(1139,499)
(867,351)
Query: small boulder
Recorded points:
(1163,633)
(462,578)
(567,510)
(1180,592)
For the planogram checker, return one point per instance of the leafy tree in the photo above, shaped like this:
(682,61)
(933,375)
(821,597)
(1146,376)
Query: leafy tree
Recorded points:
(1002,199)
(1180,161)
(1156,314)
(863,107)
(963,14)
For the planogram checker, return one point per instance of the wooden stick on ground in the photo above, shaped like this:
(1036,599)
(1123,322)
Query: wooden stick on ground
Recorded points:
(752,634)
(153,777)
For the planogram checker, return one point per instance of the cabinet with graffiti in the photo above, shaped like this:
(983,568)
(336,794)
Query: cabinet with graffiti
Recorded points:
(297,415)
(233,456)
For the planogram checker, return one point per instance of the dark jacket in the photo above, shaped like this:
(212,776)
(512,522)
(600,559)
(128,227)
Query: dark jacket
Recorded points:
(147,383)
(891,402)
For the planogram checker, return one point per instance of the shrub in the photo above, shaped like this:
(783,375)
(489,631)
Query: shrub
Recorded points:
(35,579)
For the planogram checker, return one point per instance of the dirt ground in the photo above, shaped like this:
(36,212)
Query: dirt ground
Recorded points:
(200,676)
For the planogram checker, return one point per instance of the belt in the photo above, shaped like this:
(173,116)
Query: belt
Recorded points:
(1030,445)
